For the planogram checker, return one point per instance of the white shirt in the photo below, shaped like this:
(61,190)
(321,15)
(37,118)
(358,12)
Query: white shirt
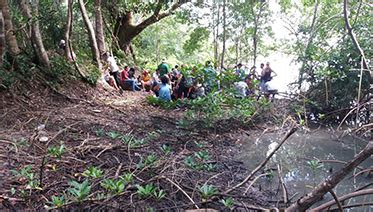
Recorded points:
(113,64)
(241,88)
(155,77)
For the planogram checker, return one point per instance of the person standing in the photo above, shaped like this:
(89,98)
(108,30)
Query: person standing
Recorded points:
(112,66)
(266,76)
(164,68)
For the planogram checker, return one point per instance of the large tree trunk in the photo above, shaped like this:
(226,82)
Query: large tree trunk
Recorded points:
(126,30)
(10,38)
(99,28)
(316,194)
(36,38)
(91,35)
(69,25)
(2,38)
(224,34)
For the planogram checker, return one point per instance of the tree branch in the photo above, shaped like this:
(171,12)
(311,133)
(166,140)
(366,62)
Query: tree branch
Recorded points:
(343,198)
(261,165)
(316,194)
(158,15)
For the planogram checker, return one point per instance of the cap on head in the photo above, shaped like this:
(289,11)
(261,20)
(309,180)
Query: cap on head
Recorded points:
(267,63)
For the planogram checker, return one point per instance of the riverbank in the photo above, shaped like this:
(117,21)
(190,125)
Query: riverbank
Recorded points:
(118,134)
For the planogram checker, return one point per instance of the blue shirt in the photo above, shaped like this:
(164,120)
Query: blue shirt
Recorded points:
(165,92)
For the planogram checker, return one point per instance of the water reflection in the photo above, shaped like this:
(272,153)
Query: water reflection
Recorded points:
(299,176)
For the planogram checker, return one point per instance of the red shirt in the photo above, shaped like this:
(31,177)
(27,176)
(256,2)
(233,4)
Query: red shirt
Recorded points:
(124,75)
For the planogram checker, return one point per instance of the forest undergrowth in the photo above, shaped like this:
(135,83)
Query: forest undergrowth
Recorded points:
(92,149)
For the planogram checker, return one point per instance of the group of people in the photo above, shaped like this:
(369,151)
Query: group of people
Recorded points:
(180,82)
(246,87)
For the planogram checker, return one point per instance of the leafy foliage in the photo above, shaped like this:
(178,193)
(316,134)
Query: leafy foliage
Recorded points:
(207,191)
(79,191)
(93,172)
(114,186)
(145,191)
(56,151)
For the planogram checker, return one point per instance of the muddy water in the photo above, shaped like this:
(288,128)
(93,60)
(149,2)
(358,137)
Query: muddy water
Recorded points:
(293,156)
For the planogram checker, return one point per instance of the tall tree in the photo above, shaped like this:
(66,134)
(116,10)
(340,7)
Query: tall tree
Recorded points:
(308,46)
(216,30)
(10,38)
(224,33)
(91,34)
(256,20)
(99,27)
(69,25)
(31,12)
(2,38)
(125,28)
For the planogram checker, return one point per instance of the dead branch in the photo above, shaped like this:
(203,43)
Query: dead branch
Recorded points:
(343,198)
(252,182)
(186,194)
(315,195)
(261,165)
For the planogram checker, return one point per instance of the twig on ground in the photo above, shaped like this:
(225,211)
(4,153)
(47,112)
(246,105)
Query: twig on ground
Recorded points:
(252,182)
(177,186)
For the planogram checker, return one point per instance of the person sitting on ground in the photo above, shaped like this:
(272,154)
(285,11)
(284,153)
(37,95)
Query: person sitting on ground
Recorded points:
(165,89)
(110,80)
(243,87)
(112,66)
(210,76)
(240,72)
(131,83)
(146,81)
(175,73)
(124,75)
(156,82)
(164,68)
(197,90)
(184,84)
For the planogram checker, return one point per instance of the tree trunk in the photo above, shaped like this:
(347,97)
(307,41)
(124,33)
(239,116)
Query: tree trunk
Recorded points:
(309,42)
(10,38)
(316,194)
(255,33)
(126,30)
(69,26)
(352,34)
(2,38)
(91,35)
(216,35)
(224,35)
(36,38)
(99,28)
